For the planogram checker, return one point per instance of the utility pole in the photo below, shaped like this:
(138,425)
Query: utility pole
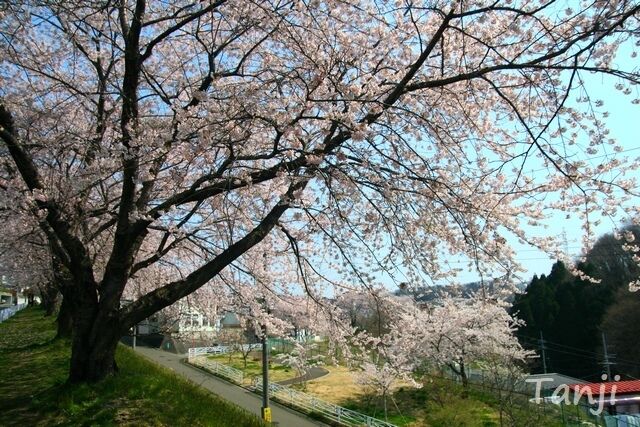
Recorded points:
(607,362)
(544,356)
(135,334)
(266,410)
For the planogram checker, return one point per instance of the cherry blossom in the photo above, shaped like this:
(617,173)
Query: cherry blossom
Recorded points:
(264,149)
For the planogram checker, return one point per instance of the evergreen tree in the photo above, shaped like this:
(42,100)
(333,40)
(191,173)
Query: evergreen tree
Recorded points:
(572,313)
(621,324)
(568,311)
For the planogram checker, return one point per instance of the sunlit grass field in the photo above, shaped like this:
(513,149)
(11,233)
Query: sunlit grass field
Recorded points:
(277,371)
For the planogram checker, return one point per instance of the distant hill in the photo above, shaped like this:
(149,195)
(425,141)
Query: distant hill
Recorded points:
(492,289)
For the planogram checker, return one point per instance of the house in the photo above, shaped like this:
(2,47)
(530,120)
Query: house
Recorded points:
(7,298)
(194,322)
(615,397)
(185,321)
(182,327)
(11,297)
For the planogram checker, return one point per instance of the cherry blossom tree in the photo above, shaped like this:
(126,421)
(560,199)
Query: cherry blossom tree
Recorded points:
(216,141)
(453,334)
(302,359)
(457,333)
(25,259)
(240,340)
(391,358)
(380,377)
(366,311)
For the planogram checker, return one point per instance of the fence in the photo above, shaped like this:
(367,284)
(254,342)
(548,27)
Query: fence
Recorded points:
(219,349)
(284,394)
(622,420)
(219,369)
(6,313)
(313,405)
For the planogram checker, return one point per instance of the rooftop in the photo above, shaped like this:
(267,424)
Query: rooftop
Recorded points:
(621,387)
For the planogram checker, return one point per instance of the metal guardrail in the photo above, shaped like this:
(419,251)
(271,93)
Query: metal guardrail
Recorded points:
(219,369)
(312,404)
(287,395)
(219,349)
(6,313)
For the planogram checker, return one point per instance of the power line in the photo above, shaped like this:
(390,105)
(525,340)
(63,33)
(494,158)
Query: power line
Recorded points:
(544,356)
(574,351)
(606,362)
(556,350)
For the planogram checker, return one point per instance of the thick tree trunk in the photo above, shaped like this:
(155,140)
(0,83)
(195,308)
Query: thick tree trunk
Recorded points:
(49,297)
(64,320)
(465,380)
(93,348)
(96,332)
(92,361)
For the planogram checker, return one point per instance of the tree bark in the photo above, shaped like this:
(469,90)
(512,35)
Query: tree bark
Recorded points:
(49,297)
(64,320)
(93,348)
(92,361)
(384,400)
(465,380)
(96,332)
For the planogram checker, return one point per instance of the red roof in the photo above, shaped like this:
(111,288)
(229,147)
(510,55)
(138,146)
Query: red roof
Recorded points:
(621,387)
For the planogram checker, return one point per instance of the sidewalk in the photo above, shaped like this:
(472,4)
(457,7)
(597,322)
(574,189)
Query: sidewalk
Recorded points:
(282,416)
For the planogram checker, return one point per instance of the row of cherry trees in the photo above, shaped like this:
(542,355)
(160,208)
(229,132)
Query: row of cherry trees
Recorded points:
(411,339)
(257,148)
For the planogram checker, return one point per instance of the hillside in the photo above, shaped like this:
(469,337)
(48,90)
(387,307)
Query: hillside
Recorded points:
(33,389)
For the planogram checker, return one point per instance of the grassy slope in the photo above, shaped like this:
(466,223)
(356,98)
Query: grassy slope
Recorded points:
(33,392)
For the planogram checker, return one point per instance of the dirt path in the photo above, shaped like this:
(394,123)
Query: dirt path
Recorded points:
(315,372)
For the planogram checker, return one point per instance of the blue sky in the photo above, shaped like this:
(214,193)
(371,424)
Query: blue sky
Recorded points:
(624,123)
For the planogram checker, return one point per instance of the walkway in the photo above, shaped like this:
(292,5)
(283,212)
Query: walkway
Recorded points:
(312,374)
(282,416)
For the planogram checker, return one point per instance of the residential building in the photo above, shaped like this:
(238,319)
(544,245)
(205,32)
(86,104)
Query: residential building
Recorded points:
(616,397)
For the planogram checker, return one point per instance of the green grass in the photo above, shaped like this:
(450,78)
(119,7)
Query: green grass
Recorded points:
(34,392)
(277,371)
(442,403)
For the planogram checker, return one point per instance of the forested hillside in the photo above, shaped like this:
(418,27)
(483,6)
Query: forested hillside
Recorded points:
(571,313)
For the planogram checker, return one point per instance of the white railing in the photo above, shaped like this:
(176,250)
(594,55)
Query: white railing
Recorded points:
(312,404)
(232,374)
(6,313)
(219,349)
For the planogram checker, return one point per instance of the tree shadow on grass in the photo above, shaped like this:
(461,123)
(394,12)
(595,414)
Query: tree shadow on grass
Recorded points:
(29,345)
(27,330)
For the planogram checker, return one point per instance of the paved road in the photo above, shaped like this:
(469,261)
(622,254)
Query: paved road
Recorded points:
(284,417)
